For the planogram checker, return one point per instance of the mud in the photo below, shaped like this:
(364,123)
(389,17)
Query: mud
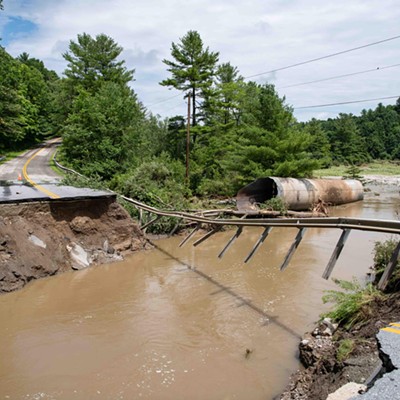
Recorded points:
(323,373)
(47,238)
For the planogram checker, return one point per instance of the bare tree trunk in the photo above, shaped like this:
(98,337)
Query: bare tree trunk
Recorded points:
(194,112)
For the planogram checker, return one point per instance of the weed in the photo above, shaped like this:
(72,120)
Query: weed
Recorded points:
(345,348)
(351,302)
(382,253)
(275,204)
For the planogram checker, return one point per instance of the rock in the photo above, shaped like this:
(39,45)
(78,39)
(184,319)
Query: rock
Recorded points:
(312,349)
(83,225)
(37,242)
(137,245)
(347,391)
(78,255)
(329,324)
(327,332)
(123,246)
(107,248)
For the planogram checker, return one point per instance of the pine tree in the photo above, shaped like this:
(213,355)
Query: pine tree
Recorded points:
(92,61)
(192,69)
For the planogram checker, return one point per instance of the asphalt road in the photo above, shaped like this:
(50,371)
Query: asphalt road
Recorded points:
(387,387)
(29,177)
(39,166)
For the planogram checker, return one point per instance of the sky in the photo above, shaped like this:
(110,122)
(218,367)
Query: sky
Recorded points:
(256,36)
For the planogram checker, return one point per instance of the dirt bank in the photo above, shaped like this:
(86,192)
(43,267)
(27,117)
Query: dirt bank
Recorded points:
(325,367)
(46,238)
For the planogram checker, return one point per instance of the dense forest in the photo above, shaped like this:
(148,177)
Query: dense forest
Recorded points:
(239,130)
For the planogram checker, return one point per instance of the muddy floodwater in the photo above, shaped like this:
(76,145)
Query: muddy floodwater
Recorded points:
(178,323)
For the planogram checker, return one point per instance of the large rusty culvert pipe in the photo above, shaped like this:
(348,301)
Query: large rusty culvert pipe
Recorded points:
(299,194)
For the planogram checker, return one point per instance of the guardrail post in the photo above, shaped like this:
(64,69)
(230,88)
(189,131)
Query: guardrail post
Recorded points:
(231,240)
(293,247)
(336,253)
(198,226)
(389,268)
(258,243)
(207,235)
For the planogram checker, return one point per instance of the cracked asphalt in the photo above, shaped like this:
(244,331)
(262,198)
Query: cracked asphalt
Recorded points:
(388,386)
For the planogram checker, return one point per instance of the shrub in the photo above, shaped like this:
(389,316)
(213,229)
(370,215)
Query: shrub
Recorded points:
(275,204)
(353,172)
(382,253)
(351,302)
(160,183)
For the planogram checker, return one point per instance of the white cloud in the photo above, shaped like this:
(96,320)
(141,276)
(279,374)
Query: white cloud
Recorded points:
(255,35)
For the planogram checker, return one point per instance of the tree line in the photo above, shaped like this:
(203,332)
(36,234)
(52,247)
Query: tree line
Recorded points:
(240,130)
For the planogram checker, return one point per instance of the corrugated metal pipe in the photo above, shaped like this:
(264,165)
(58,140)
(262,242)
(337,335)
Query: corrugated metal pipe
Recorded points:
(299,194)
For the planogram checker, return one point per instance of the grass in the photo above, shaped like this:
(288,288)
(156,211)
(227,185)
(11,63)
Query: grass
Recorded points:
(390,168)
(9,155)
(346,346)
(54,167)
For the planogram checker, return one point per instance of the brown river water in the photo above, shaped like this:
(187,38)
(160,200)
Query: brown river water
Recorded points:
(175,323)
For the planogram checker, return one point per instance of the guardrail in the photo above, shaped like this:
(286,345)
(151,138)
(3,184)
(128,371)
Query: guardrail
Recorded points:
(69,170)
(302,224)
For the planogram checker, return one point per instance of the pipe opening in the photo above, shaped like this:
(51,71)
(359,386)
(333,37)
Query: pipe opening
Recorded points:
(257,192)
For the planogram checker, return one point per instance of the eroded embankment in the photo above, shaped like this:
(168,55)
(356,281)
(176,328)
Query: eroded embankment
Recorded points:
(46,238)
(326,368)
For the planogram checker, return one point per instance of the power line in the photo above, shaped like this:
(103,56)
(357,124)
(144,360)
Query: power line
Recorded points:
(323,57)
(346,102)
(164,100)
(340,76)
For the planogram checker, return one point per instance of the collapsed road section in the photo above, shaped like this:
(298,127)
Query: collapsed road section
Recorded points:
(38,239)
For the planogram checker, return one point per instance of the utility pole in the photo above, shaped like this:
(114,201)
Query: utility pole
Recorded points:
(188,141)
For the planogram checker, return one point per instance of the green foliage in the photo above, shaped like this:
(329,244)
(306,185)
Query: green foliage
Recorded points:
(347,144)
(159,182)
(25,103)
(353,172)
(351,302)
(275,204)
(93,61)
(94,182)
(375,134)
(382,254)
(251,135)
(345,348)
(192,68)
(320,147)
(156,182)
(100,129)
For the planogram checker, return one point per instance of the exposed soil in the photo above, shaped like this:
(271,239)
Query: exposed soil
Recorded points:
(322,372)
(46,238)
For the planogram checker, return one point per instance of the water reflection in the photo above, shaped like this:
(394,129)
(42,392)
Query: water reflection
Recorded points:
(223,288)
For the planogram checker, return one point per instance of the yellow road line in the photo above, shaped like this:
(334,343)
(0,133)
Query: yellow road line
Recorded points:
(26,177)
(395,324)
(393,330)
